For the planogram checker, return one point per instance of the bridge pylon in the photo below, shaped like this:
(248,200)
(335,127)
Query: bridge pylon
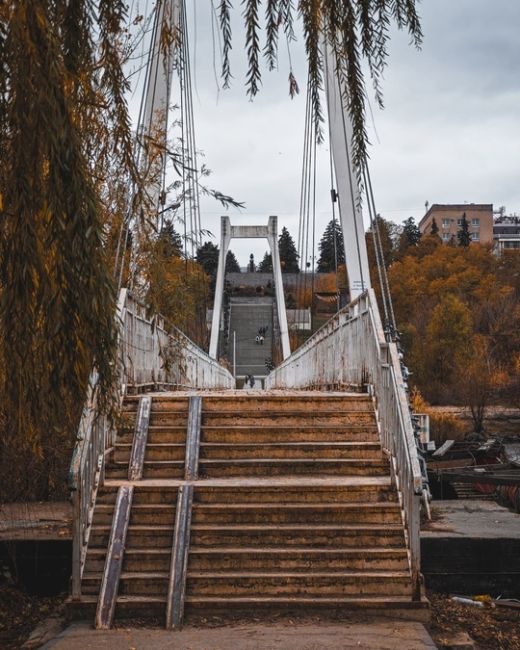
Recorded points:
(269,232)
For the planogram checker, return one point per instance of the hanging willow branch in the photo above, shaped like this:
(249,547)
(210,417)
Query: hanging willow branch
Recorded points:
(356,30)
(62,119)
(225,25)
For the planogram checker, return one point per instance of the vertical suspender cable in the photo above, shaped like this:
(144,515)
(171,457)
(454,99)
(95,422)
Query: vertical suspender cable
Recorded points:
(313,252)
(377,252)
(304,198)
(385,286)
(334,238)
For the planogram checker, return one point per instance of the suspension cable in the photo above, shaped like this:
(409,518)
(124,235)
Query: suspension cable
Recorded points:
(391,326)
(333,198)
(192,154)
(301,284)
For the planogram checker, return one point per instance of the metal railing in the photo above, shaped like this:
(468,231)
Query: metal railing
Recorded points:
(149,353)
(351,350)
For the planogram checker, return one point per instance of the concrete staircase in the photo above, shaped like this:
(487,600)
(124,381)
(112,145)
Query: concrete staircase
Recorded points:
(293,510)
(247,315)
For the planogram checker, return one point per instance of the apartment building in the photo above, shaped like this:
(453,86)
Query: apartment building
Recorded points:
(448,218)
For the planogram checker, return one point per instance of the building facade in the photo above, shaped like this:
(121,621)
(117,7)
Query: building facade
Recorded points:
(448,218)
(506,234)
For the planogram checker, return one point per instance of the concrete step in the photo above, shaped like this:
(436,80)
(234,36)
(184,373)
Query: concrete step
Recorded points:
(290,433)
(140,514)
(156,435)
(254,559)
(168,417)
(275,403)
(309,559)
(149,560)
(283,418)
(154,451)
(259,605)
(354,535)
(133,583)
(151,469)
(164,494)
(296,513)
(287,450)
(138,536)
(131,402)
(212,468)
(376,489)
(141,607)
(291,583)
(127,607)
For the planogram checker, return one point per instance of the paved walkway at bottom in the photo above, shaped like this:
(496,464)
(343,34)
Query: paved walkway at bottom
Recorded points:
(384,635)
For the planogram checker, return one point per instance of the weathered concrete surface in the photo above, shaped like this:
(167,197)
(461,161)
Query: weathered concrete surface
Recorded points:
(389,635)
(471,547)
(471,518)
(42,521)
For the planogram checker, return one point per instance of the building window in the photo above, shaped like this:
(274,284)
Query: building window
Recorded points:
(459,222)
(446,236)
(445,223)
(475,222)
(475,236)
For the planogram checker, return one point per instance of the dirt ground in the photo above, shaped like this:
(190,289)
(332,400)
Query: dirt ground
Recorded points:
(20,613)
(491,629)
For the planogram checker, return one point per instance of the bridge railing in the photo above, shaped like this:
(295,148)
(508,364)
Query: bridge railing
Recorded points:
(351,350)
(149,353)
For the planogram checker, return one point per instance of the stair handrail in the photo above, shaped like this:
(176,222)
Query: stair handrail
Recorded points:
(351,350)
(149,353)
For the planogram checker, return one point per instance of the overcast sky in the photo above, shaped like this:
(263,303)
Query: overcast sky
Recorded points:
(449,133)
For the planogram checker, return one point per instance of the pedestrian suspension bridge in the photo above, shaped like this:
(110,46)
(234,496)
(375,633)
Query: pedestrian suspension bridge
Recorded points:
(202,499)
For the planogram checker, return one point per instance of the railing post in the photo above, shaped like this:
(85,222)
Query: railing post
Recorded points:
(77,538)
(415,545)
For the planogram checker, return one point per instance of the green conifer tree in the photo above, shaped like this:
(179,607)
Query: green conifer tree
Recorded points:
(411,235)
(251,267)
(288,254)
(169,242)
(232,265)
(434,228)
(266,265)
(331,251)
(207,257)
(463,235)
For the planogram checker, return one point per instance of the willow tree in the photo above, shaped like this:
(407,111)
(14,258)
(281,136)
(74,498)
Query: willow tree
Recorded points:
(62,119)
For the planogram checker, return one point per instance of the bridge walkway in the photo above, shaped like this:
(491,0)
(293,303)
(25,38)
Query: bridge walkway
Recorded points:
(247,315)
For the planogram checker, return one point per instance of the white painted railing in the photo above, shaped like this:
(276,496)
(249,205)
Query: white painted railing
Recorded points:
(152,353)
(351,350)
(149,353)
